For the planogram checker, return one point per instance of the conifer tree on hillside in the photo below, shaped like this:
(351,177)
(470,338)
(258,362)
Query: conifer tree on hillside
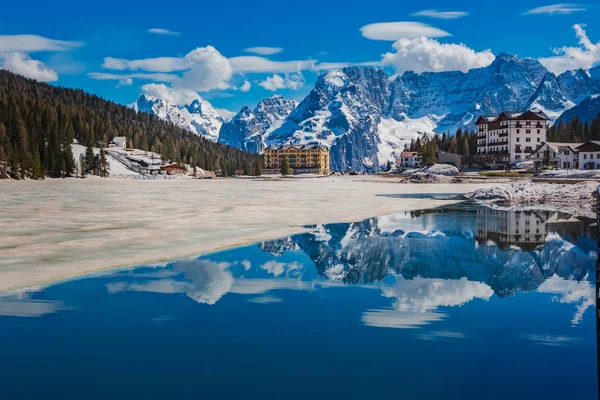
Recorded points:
(103,167)
(90,163)
(39,122)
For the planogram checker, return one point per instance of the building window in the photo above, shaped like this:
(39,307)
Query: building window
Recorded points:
(518,139)
(527,130)
(517,130)
(538,131)
(528,139)
(584,156)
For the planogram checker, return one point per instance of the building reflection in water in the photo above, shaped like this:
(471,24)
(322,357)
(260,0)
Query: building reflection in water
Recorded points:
(524,229)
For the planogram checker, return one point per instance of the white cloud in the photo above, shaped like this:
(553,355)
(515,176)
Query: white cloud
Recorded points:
(441,14)
(264,51)
(205,68)
(158,64)
(227,115)
(580,293)
(161,31)
(178,96)
(441,335)
(22,64)
(276,82)
(424,54)
(125,82)
(209,280)
(265,299)
(562,8)
(585,56)
(553,340)
(339,65)
(256,64)
(158,77)
(209,70)
(398,30)
(246,86)
(32,43)
(398,319)
(22,305)
(426,295)
(276,268)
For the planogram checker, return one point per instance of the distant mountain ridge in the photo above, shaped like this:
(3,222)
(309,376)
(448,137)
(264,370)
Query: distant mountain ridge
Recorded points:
(199,117)
(366,118)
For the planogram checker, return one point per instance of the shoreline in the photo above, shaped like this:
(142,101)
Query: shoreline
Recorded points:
(57,230)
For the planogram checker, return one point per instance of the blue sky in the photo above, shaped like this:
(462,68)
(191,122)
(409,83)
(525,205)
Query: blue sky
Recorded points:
(101,44)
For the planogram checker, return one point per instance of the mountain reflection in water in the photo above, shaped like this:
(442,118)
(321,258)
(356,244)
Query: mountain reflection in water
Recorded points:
(474,299)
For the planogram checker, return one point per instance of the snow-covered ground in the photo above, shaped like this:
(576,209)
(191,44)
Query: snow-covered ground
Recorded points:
(69,227)
(116,169)
(578,198)
(569,173)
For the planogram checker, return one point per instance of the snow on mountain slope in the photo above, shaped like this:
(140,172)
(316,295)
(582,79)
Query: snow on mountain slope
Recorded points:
(393,135)
(247,129)
(199,117)
(549,98)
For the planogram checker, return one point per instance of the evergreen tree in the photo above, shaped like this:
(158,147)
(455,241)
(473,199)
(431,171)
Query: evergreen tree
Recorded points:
(429,153)
(103,167)
(465,146)
(90,162)
(258,167)
(285,166)
(82,165)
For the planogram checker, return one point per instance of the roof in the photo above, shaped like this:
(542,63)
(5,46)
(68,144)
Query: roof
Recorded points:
(408,153)
(484,119)
(297,146)
(591,145)
(558,146)
(119,138)
(512,115)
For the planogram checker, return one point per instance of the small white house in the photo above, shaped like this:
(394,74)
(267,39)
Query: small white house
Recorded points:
(409,159)
(559,155)
(119,141)
(589,155)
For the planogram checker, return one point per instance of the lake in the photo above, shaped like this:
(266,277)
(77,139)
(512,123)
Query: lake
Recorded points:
(459,302)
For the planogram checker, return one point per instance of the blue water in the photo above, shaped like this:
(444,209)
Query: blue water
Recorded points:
(440,304)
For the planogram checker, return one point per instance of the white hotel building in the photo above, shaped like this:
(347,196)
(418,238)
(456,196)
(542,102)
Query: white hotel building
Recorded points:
(510,137)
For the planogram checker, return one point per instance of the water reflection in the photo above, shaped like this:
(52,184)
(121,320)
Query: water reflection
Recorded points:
(449,295)
(421,262)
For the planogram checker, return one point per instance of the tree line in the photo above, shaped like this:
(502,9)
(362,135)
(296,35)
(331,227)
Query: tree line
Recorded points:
(39,122)
(575,131)
(462,142)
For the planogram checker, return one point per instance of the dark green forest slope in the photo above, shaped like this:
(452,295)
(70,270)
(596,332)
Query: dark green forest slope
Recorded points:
(38,122)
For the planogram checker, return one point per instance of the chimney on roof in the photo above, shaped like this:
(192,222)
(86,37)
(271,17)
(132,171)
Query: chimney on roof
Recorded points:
(290,142)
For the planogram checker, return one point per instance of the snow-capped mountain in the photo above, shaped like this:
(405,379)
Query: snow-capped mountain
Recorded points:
(199,116)
(247,129)
(366,118)
(549,98)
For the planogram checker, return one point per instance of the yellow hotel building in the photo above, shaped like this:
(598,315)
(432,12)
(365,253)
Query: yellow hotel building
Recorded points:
(303,159)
